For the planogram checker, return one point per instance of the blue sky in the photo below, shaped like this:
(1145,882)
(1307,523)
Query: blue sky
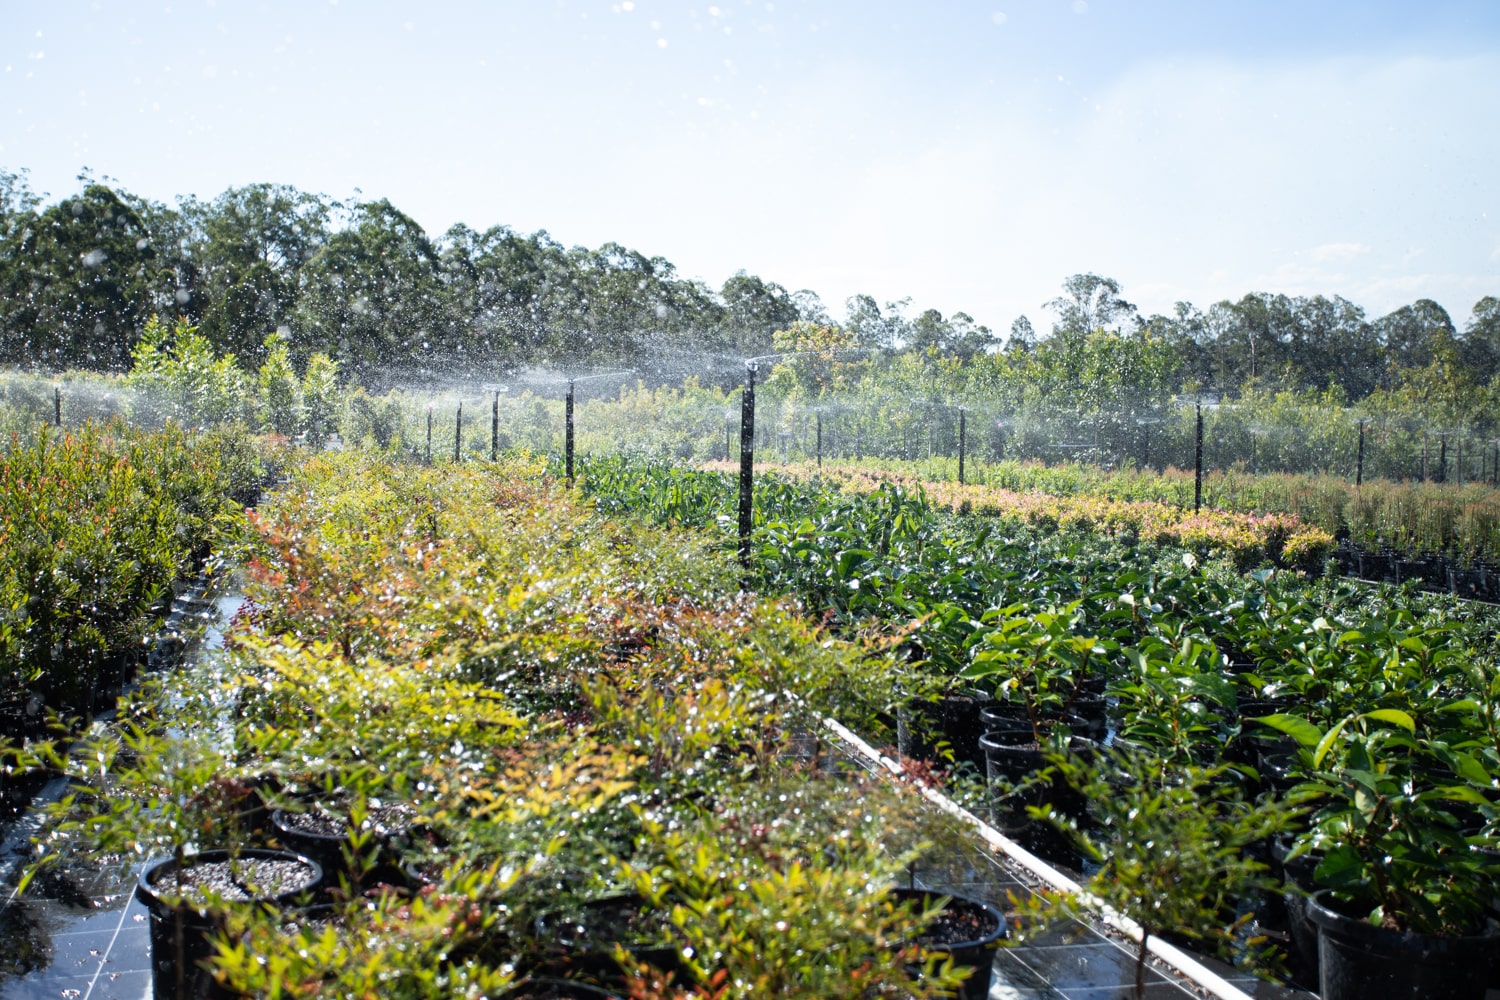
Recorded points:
(967,155)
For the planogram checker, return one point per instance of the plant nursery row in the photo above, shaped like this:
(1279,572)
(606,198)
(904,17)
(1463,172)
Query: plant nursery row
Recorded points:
(1340,741)
(97,524)
(516,734)
(472,737)
(1436,513)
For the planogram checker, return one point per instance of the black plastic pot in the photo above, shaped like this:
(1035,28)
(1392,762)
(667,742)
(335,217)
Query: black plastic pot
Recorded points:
(976,954)
(1361,961)
(325,842)
(1000,716)
(922,726)
(557,989)
(582,942)
(1013,758)
(181,934)
(23,718)
(1087,715)
(1302,933)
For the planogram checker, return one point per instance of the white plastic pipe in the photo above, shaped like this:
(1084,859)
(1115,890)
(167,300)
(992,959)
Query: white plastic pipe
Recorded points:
(1175,957)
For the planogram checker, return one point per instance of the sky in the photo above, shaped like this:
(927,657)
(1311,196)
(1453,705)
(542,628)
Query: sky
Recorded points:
(968,156)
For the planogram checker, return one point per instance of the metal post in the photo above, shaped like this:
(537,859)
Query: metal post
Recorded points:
(1359,461)
(1424,456)
(57,405)
(429,433)
(1198,462)
(820,439)
(495,430)
(747,464)
(568,431)
(962,432)
(458,434)
(1442,475)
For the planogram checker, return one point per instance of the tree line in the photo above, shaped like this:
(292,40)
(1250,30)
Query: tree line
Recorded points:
(361,282)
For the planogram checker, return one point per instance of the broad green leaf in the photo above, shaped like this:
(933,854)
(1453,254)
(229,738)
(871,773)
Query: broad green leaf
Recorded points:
(1395,717)
(1301,730)
(1326,743)
(1460,793)
(1467,767)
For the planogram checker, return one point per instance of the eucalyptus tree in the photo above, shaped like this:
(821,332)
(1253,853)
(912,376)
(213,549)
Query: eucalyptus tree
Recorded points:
(79,280)
(254,243)
(1480,345)
(958,336)
(874,328)
(371,294)
(1411,335)
(1089,302)
(753,311)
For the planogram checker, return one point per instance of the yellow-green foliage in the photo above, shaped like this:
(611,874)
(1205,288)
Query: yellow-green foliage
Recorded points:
(1245,539)
(569,705)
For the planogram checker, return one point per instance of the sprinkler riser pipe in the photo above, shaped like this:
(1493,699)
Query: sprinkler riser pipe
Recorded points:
(568,432)
(1359,459)
(1198,461)
(747,465)
(962,433)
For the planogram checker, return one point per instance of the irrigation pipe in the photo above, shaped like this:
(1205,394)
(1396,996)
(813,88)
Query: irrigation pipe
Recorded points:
(1175,957)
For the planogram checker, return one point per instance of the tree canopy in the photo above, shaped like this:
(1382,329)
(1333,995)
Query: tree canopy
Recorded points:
(267,267)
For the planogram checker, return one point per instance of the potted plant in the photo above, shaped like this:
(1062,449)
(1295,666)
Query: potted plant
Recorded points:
(194,898)
(1404,907)
(961,931)
(1171,844)
(1034,658)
